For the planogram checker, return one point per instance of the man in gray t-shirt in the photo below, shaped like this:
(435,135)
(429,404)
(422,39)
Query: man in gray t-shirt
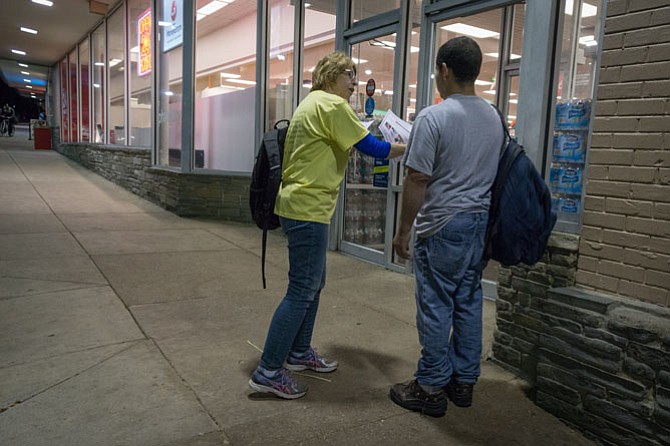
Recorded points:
(451,160)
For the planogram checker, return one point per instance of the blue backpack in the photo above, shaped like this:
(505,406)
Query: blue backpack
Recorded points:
(521,217)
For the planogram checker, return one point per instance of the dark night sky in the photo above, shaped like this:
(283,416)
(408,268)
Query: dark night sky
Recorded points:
(26,107)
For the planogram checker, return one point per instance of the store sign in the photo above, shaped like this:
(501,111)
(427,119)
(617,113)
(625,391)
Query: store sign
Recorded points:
(144,43)
(172,24)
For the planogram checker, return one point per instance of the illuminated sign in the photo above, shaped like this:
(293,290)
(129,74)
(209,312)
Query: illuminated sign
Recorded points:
(144,43)
(172,24)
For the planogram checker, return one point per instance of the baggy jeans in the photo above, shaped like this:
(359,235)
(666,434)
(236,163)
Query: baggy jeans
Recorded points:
(293,321)
(448,267)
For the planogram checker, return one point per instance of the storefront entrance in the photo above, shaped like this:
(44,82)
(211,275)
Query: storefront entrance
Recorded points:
(371,196)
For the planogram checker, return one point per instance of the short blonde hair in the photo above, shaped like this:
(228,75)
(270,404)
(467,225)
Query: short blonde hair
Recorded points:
(327,69)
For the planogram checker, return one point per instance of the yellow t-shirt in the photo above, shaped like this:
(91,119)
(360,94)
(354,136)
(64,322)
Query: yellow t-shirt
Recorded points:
(316,151)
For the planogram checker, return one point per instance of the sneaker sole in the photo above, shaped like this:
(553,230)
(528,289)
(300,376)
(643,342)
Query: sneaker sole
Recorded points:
(265,389)
(433,410)
(300,368)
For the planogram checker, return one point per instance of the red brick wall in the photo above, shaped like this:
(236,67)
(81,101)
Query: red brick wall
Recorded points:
(625,239)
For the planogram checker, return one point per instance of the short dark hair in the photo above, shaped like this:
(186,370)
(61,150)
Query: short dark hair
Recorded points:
(463,56)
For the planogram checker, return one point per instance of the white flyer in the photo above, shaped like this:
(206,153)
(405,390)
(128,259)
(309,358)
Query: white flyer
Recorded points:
(394,129)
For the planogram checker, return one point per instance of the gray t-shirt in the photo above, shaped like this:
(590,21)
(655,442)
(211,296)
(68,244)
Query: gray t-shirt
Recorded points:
(457,142)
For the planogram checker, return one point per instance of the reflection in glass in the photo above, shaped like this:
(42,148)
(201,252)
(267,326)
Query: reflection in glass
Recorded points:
(84,90)
(73,112)
(225,87)
(99,79)
(116,65)
(319,40)
(362,9)
(64,102)
(139,43)
(279,92)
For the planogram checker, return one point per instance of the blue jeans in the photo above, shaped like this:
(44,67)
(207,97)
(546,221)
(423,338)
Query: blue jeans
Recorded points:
(293,321)
(448,267)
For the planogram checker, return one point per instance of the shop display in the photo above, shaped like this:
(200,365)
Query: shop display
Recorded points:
(569,155)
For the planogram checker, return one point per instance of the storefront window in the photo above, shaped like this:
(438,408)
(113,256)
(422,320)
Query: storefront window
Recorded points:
(116,66)
(64,103)
(169,86)
(362,9)
(279,94)
(84,68)
(225,91)
(73,112)
(99,79)
(574,97)
(319,40)
(139,47)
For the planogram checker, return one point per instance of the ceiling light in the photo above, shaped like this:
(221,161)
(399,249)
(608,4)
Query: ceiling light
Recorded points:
(25,73)
(168,93)
(135,49)
(368,72)
(462,28)
(358,61)
(478,82)
(29,86)
(412,85)
(211,7)
(96,85)
(490,91)
(99,64)
(588,10)
(114,62)
(241,81)
(44,2)
(511,56)
(23,65)
(28,30)
(230,75)
(162,23)
(27,80)
(199,17)
(22,53)
(588,41)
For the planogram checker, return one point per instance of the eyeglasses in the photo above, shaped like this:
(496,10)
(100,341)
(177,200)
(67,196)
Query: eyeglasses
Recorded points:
(350,73)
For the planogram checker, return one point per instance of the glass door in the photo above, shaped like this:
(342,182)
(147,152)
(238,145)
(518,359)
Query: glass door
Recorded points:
(366,187)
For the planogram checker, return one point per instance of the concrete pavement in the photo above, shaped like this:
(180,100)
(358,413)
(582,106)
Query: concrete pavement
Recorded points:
(123,324)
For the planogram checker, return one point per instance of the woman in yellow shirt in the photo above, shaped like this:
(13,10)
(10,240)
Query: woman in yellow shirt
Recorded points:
(323,129)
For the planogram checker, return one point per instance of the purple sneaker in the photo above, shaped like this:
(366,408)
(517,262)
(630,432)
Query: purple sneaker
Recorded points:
(281,384)
(310,361)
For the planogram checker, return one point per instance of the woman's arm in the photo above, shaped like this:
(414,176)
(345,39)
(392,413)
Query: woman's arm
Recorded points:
(371,146)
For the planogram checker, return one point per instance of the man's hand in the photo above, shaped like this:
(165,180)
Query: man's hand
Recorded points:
(401,244)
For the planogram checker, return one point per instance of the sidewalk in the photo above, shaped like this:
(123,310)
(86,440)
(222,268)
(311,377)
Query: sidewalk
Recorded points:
(123,324)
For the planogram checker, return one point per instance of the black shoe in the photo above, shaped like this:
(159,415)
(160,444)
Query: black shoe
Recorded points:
(459,394)
(411,396)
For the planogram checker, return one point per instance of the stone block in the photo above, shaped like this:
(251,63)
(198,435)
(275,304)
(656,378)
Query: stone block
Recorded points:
(502,338)
(592,346)
(644,408)
(645,321)
(518,332)
(558,407)
(557,374)
(636,334)
(585,299)
(613,432)
(655,358)
(613,383)
(664,378)
(620,416)
(523,347)
(563,241)
(558,390)
(507,355)
(639,370)
(552,321)
(606,336)
(580,316)
(663,397)
(576,353)
(532,288)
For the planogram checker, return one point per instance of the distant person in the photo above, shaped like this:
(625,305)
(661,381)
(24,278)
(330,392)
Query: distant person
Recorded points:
(451,161)
(8,117)
(323,129)
(42,116)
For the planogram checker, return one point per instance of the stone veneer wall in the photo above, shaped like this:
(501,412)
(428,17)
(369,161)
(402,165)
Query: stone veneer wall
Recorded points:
(190,195)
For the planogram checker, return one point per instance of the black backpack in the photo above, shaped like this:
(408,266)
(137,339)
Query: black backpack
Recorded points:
(265,181)
(521,217)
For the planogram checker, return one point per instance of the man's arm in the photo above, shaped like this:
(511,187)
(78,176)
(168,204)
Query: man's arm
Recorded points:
(413,196)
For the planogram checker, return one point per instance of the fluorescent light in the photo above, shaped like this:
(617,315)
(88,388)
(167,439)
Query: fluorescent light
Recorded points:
(307,5)
(135,49)
(412,85)
(513,101)
(588,41)
(199,17)
(211,7)
(358,61)
(462,28)
(368,72)
(99,64)
(23,65)
(230,75)
(169,93)
(588,10)
(241,81)
(490,92)
(28,86)
(114,62)
(591,43)
(22,53)
(44,2)
(162,23)
(28,81)
(311,70)
(495,55)
(25,73)
(28,30)
(413,49)
(96,85)
(478,82)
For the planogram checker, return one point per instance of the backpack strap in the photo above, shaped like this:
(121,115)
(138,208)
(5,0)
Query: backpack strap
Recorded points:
(271,143)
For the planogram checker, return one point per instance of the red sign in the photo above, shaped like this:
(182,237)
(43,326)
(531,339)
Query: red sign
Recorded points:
(370,87)
(144,43)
